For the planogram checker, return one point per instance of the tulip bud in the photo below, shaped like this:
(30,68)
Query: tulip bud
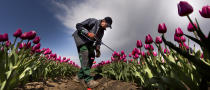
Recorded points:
(183,39)
(167,51)
(24,35)
(5,37)
(190,27)
(130,54)
(17,33)
(37,46)
(147,46)
(178,32)
(154,53)
(205,11)
(158,40)
(31,35)
(8,43)
(184,8)
(36,40)
(162,28)
(139,44)
(1,38)
(148,39)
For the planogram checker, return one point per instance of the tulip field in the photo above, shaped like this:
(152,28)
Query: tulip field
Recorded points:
(169,67)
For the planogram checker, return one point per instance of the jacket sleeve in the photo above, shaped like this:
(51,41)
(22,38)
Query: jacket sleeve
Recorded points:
(98,42)
(87,22)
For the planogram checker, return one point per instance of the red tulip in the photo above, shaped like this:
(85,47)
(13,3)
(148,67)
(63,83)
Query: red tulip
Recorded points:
(17,33)
(190,27)
(148,39)
(162,28)
(184,8)
(178,32)
(158,40)
(139,44)
(205,11)
(36,40)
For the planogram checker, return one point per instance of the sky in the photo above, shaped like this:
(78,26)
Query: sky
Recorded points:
(55,20)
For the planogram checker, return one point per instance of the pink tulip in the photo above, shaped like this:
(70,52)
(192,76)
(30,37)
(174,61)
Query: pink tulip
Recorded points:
(64,58)
(31,35)
(162,28)
(5,37)
(8,43)
(38,51)
(190,27)
(147,46)
(148,53)
(148,39)
(176,38)
(1,38)
(136,56)
(178,32)
(28,45)
(205,11)
(184,8)
(36,40)
(130,54)
(183,39)
(139,43)
(94,62)
(17,33)
(37,46)
(22,45)
(154,53)
(166,50)
(122,52)
(143,54)
(158,40)
(151,47)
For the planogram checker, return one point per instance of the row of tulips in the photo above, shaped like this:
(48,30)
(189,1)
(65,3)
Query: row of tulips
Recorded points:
(176,67)
(22,62)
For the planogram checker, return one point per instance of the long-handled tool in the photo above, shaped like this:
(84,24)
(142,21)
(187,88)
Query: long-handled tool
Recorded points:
(97,40)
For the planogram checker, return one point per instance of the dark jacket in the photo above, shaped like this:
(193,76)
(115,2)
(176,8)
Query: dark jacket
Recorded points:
(89,25)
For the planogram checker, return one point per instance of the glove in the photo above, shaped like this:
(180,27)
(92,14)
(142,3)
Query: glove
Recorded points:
(91,35)
(98,53)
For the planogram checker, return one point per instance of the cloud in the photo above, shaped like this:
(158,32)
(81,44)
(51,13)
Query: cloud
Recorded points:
(132,19)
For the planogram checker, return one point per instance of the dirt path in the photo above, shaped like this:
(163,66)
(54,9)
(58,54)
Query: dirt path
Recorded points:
(68,84)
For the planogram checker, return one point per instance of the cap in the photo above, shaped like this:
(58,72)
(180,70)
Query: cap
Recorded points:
(108,21)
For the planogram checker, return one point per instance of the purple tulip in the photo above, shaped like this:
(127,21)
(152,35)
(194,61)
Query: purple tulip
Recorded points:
(17,33)
(31,35)
(178,32)
(8,43)
(176,38)
(184,8)
(205,11)
(158,40)
(24,35)
(148,39)
(162,28)
(36,40)
(190,27)
(139,44)
(28,45)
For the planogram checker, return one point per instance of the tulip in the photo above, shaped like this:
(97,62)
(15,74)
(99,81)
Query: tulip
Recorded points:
(31,35)
(37,46)
(176,38)
(143,54)
(22,45)
(94,62)
(130,54)
(136,56)
(162,28)
(183,39)
(64,58)
(178,32)
(184,8)
(122,52)
(202,55)
(167,51)
(36,40)
(154,53)
(38,51)
(5,37)
(147,46)
(190,27)
(148,53)
(158,40)
(24,35)
(8,43)
(148,39)
(151,47)
(28,45)
(205,11)
(17,33)
(139,44)
(1,38)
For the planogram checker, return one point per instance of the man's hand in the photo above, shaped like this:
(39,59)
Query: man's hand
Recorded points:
(98,53)
(91,35)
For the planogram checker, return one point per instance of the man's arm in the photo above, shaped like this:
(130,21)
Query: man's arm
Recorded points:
(88,22)
(99,40)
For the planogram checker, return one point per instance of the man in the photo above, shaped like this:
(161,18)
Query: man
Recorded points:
(88,38)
